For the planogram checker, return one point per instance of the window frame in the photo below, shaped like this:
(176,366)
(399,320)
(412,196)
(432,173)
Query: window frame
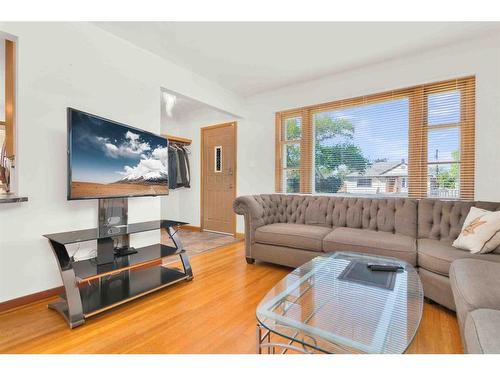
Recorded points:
(418,134)
(304,145)
(285,167)
(436,128)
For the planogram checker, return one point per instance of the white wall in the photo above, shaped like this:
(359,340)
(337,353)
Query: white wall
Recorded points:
(478,57)
(78,65)
(82,66)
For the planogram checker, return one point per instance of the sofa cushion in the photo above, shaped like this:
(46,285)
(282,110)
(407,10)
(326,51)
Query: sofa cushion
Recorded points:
(482,332)
(437,256)
(475,286)
(298,236)
(443,219)
(371,242)
(480,232)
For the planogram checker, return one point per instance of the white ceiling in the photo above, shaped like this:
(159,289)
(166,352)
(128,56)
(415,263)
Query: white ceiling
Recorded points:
(250,58)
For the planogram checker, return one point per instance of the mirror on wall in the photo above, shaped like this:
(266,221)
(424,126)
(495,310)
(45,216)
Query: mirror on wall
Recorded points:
(7,116)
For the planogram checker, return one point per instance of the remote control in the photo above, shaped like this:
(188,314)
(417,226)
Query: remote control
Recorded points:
(385,267)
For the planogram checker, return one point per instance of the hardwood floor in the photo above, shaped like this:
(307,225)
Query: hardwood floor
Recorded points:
(214,313)
(197,242)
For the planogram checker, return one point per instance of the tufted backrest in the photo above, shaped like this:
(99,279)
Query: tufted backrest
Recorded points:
(443,220)
(396,215)
(274,207)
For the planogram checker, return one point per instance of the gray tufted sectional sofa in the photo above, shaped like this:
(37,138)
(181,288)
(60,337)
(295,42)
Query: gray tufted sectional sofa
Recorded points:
(292,229)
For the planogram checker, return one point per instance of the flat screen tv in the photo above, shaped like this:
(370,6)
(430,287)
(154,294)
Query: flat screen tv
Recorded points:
(107,159)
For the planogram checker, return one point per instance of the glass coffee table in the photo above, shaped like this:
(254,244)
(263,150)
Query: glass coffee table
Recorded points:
(336,304)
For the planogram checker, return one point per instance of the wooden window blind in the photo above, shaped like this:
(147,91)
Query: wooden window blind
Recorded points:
(417,142)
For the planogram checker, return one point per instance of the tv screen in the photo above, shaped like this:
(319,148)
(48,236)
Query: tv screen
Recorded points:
(107,159)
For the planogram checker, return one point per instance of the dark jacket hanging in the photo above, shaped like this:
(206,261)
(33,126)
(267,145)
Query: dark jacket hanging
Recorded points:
(178,163)
(187,180)
(179,172)
(182,167)
(172,169)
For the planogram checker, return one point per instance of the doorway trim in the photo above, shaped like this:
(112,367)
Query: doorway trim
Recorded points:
(234,125)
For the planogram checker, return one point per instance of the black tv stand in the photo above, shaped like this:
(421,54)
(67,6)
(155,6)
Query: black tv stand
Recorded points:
(94,285)
(124,251)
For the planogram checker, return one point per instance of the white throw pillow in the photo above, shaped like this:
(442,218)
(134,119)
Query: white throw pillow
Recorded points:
(480,232)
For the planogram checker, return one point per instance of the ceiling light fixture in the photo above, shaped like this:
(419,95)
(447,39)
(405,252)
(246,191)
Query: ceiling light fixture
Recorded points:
(170,101)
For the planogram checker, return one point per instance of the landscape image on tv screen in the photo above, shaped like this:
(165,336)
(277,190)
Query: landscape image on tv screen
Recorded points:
(112,160)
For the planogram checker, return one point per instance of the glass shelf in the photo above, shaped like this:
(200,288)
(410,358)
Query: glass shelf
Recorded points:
(102,294)
(65,238)
(10,198)
(88,269)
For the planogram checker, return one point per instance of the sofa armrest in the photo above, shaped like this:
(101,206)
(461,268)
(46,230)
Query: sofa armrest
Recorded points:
(253,213)
(248,205)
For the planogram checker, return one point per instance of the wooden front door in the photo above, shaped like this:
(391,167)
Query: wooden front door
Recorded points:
(218,171)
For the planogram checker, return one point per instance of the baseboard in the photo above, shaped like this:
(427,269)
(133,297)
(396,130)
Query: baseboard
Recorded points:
(21,301)
(191,228)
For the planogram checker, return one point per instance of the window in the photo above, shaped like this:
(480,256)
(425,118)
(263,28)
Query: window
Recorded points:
(443,142)
(351,143)
(291,131)
(416,142)
(218,159)
(364,182)
(7,114)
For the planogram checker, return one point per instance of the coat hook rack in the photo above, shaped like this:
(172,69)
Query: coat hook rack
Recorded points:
(180,140)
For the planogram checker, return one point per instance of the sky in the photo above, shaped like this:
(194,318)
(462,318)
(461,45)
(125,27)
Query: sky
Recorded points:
(381,129)
(105,152)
